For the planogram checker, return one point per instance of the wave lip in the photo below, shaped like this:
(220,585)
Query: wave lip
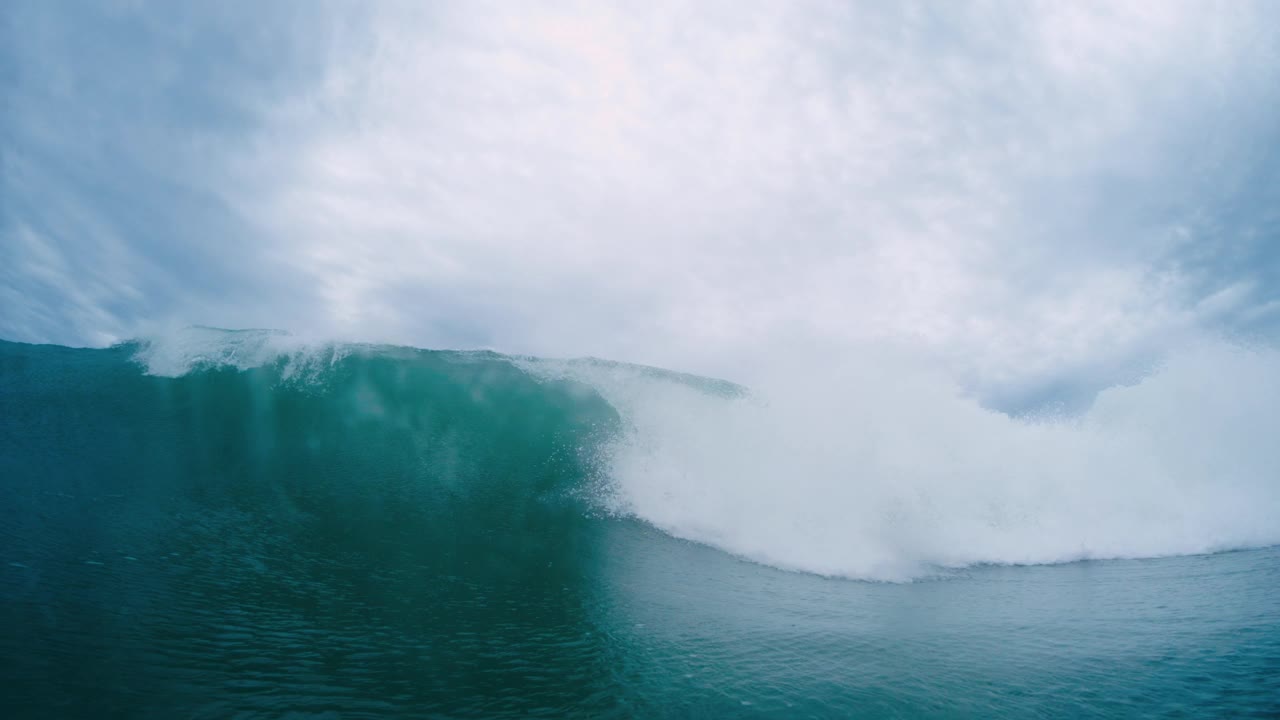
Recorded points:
(200,348)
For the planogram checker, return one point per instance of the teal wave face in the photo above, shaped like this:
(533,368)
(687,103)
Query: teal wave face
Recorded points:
(409,493)
(443,457)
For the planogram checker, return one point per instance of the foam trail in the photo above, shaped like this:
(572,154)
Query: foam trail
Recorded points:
(882,470)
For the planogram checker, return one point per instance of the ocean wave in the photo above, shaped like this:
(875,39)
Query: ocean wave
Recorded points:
(875,469)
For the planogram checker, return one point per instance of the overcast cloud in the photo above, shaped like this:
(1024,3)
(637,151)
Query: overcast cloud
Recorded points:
(1046,196)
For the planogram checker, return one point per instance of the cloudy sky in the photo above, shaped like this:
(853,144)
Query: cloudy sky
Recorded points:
(1045,197)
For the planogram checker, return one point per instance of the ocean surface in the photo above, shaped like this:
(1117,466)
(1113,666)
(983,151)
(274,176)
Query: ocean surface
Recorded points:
(234,525)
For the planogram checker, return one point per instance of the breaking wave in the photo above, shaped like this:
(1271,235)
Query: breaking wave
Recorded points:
(877,469)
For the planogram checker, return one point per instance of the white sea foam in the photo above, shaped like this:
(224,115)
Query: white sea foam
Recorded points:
(192,348)
(881,469)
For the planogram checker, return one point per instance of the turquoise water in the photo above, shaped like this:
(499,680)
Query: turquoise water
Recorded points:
(383,532)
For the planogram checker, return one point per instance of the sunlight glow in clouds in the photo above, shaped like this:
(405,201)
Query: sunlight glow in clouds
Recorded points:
(1040,194)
